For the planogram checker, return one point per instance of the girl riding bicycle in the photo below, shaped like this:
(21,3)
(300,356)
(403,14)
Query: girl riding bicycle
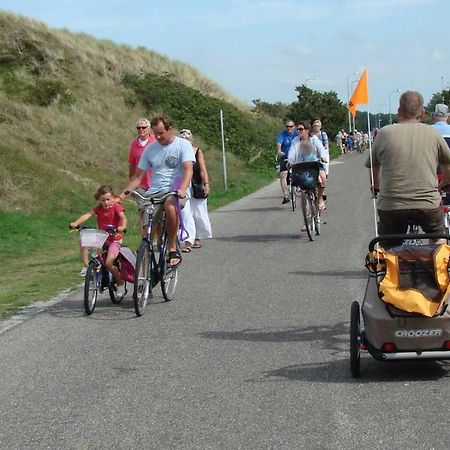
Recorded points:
(111,218)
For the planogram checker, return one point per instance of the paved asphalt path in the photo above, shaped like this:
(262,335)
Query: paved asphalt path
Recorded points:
(252,354)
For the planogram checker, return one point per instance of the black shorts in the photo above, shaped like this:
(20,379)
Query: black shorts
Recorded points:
(396,222)
(283,165)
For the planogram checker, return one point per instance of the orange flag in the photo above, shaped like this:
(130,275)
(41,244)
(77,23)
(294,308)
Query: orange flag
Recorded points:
(361,94)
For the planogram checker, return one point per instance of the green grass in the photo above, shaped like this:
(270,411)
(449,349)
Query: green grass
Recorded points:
(41,256)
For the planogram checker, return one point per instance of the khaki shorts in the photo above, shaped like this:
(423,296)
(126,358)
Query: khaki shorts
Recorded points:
(159,206)
(396,222)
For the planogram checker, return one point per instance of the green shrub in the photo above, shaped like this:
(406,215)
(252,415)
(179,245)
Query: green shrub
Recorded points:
(48,92)
(248,137)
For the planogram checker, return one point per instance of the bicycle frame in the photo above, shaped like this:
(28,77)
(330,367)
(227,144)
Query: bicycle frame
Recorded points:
(98,279)
(310,211)
(151,270)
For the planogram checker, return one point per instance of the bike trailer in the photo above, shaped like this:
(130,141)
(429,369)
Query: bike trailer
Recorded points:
(404,310)
(413,278)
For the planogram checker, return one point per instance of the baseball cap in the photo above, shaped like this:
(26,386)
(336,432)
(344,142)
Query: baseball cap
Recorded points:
(440,110)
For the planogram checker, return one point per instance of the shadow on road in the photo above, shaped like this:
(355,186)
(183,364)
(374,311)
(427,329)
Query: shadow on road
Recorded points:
(338,371)
(263,238)
(332,337)
(333,273)
(251,210)
(104,310)
(335,340)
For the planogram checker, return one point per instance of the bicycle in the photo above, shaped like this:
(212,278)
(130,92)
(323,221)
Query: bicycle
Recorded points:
(305,177)
(98,278)
(293,191)
(150,269)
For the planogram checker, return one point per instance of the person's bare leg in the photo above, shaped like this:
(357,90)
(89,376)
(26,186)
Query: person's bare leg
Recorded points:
(172,229)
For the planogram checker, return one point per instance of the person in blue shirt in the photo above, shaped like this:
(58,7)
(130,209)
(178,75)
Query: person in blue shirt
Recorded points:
(284,141)
(440,118)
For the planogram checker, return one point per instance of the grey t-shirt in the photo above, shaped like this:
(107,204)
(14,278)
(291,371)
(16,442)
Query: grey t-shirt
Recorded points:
(166,162)
(409,154)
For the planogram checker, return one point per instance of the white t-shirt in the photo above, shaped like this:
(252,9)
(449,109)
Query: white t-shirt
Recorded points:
(166,162)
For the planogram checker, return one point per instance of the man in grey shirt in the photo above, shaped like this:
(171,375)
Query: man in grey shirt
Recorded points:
(405,158)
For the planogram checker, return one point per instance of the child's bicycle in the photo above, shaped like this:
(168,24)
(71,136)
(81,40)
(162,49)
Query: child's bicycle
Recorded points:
(98,278)
(152,261)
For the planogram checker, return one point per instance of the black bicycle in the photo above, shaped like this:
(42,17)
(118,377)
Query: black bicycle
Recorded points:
(293,191)
(304,177)
(152,261)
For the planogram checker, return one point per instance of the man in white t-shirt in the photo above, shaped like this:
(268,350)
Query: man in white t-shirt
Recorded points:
(171,160)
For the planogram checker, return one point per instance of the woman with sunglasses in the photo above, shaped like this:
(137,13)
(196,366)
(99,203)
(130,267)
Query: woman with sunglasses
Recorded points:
(309,148)
(137,147)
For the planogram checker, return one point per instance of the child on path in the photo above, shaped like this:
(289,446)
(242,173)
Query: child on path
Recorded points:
(109,215)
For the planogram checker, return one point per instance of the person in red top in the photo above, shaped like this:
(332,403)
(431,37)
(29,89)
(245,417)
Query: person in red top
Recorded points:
(110,215)
(144,138)
(137,147)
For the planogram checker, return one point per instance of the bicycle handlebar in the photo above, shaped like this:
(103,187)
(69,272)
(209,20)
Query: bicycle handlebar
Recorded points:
(151,199)
(112,231)
(396,237)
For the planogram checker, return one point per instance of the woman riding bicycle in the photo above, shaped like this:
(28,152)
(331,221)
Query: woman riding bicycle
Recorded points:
(111,218)
(309,148)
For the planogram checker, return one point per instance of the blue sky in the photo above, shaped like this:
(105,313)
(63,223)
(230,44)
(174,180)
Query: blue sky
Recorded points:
(264,49)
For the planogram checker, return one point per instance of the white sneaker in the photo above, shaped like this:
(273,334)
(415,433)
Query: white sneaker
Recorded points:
(83,271)
(121,290)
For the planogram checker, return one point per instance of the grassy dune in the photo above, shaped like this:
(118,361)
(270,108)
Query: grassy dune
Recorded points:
(65,129)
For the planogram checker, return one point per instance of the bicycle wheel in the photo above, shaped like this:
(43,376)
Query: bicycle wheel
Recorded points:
(293,198)
(142,279)
(169,274)
(355,340)
(91,286)
(307,210)
(316,215)
(112,288)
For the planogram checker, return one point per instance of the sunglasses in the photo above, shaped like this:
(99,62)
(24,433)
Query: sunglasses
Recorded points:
(141,128)
(301,129)
(289,126)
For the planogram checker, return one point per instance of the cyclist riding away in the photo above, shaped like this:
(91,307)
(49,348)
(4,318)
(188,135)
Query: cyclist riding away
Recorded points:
(405,157)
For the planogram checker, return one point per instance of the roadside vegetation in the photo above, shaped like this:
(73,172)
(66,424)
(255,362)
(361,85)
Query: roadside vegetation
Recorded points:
(69,107)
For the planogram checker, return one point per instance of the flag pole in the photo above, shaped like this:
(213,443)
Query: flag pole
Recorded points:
(369,132)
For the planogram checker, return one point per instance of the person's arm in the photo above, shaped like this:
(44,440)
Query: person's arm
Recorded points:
(293,152)
(187,176)
(321,152)
(133,183)
(375,182)
(123,221)
(131,170)
(326,143)
(83,218)
(280,154)
(203,172)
